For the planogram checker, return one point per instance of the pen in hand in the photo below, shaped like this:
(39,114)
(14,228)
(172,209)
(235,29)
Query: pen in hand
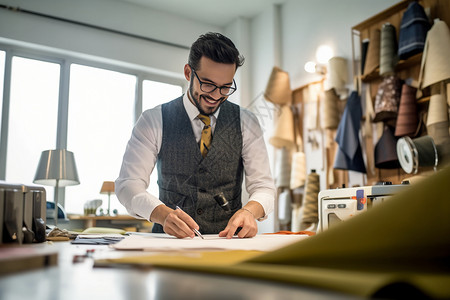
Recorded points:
(193,229)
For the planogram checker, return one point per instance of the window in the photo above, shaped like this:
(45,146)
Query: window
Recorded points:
(101,107)
(153,94)
(32,117)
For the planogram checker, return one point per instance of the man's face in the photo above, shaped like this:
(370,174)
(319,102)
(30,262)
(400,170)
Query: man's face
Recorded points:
(210,72)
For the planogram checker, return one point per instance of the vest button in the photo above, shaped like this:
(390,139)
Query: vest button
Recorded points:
(199,211)
(202,170)
(201,190)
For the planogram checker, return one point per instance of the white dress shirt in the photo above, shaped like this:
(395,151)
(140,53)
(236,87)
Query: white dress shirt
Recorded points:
(143,147)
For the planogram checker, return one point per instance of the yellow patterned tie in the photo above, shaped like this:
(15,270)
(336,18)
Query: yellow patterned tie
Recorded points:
(205,141)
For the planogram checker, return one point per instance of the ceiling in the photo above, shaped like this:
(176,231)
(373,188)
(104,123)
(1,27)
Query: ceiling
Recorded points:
(214,12)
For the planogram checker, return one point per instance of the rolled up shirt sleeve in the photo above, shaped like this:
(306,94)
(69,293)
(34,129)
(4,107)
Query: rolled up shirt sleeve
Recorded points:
(138,163)
(258,178)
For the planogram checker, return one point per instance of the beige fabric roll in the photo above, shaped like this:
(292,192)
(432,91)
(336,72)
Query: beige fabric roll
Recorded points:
(278,89)
(337,73)
(435,66)
(330,117)
(439,132)
(283,135)
(373,52)
(311,96)
(437,109)
(284,168)
(298,170)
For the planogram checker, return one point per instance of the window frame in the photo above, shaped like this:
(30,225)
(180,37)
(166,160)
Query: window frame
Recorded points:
(65,59)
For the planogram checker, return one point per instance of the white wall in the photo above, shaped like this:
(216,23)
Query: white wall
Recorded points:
(87,42)
(286,36)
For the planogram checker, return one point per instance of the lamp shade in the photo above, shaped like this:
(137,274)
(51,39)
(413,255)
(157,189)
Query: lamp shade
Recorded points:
(57,168)
(107,187)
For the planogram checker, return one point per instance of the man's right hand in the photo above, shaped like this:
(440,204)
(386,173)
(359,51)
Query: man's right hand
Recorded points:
(174,222)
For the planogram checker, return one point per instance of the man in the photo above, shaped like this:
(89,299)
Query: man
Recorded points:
(201,144)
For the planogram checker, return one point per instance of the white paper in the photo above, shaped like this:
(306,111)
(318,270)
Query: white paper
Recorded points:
(163,242)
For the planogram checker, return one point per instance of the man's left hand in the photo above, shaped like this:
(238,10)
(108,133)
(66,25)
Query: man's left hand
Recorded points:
(242,218)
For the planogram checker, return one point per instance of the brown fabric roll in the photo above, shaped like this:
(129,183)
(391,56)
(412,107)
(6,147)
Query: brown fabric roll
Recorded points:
(408,119)
(386,151)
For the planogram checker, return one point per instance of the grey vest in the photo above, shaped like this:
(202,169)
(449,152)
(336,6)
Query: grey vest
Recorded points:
(190,181)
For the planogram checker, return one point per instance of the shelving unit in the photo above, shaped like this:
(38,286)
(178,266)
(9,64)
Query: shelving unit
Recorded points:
(405,69)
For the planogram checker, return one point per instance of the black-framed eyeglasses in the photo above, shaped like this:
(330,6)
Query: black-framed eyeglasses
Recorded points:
(211,87)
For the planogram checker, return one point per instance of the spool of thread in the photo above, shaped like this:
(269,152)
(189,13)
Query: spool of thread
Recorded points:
(388,50)
(330,119)
(413,153)
(408,119)
(310,204)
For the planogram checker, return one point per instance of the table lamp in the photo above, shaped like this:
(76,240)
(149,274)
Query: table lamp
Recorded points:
(108,188)
(57,168)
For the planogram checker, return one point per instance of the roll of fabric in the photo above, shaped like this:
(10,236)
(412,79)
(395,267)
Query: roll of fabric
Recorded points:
(386,150)
(437,120)
(310,203)
(278,89)
(349,153)
(337,72)
(413,31)
(437,110)
(373,52)
(364,48)
(408,118)
(388,99)
(298,170)
(435,66)
(415,153)
(284,168)
(388,50)
(330,116)
(283,135)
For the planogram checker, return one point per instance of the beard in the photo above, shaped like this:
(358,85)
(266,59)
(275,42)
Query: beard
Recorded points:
(196,101)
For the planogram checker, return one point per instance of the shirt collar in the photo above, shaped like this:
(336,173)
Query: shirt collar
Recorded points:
(192,110)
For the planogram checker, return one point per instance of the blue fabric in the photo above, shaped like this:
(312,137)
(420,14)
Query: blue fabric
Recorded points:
(413,31)
(349,154)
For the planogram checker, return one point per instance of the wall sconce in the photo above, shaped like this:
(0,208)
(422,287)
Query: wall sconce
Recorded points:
(323,54)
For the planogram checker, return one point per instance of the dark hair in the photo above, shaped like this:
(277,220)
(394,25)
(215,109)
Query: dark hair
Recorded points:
(216,47)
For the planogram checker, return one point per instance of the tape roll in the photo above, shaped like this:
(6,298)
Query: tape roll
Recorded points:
(413,153)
